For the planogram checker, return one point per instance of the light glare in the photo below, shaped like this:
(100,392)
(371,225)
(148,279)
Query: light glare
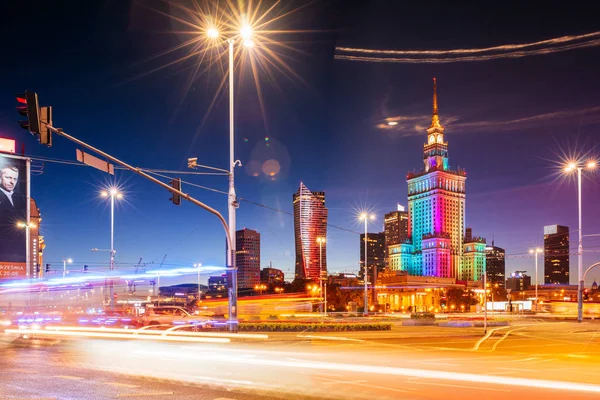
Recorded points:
(212,33)
(246,32)
(248,43)
(591,164)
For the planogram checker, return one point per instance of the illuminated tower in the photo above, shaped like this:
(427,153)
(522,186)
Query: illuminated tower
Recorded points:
(310,222)
(436,208)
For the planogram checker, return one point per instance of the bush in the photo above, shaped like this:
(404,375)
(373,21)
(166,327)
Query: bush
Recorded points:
(422,315)
(273,317)
(255,318)
(299,327)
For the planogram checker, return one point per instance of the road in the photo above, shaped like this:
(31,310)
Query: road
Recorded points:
(530,359)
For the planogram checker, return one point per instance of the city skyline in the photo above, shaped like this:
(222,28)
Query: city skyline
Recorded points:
(508,135)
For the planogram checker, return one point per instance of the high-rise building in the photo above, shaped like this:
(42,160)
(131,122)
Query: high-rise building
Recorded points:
(375,252)
(495,265)
(518,281)
(395,229)
(310,223)
(436,211)
(247,257)
(556,254)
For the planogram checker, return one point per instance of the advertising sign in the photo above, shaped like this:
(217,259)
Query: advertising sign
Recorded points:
(14,216)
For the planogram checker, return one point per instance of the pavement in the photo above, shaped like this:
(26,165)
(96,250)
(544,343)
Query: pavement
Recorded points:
(530,359)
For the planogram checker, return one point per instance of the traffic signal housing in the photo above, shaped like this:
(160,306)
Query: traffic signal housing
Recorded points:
(45,120)
(47,268)
(28,107)
(176,184)
(586,294)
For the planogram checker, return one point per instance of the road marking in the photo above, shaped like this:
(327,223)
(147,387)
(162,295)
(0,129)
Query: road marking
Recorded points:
(577,355)
(518,369)
(75,378)
(145,394)
(439,363)
(527,359)
(459,386)
(363,383)
(25,371)
(125,385)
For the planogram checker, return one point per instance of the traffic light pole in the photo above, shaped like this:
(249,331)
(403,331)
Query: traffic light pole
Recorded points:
(233,292)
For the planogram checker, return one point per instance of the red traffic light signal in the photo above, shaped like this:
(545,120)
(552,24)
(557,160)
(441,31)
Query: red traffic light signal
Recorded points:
(28,107)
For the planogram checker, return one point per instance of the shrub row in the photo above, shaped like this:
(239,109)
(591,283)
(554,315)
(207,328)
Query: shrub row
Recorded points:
(299,327)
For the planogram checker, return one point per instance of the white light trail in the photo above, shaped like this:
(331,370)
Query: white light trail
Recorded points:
(381,370)
(549,46)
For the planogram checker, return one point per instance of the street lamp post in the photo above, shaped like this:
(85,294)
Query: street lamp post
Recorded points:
(365,217)
(536,251)
(320,241)
(199,290)
(65,261)
(232,204)
(572,166)
(27,227)
(112,193)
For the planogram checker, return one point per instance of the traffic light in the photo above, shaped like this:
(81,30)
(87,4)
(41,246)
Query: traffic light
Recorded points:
(45,119)
(586,294)
(176,184)
(47,268)
(28,107)
(85,268)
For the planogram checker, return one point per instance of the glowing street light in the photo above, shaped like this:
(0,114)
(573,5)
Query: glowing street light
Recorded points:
(197,266)
(65,262)
(536,251)
(113,193)
(246,32)
(365,216)
(570,167)
(212,33)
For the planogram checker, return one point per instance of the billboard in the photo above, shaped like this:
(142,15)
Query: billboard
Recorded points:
(14,216)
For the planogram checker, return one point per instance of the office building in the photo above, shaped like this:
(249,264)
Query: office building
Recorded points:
(518,281)
(375,252)
(495,265)
(395,229)
(436,214)
(310,223)
(271,276)
(556,254)
(247,257)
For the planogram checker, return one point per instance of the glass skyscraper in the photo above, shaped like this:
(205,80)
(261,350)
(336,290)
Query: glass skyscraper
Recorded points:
(310,222)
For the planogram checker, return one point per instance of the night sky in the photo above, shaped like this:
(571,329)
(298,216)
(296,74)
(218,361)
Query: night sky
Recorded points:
(508,123)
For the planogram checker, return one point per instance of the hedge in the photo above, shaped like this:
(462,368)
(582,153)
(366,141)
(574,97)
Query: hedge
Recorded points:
(298,327)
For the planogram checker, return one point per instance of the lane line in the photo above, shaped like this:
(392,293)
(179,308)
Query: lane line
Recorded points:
(517,369)
(145,394)
(458,386)
(118,384)
(361,384)
(74,378)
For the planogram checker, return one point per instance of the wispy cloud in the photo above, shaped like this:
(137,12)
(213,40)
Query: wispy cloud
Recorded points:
(406,125)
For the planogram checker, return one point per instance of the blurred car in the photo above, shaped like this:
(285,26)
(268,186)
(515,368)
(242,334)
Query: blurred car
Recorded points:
(173,315)
(111,318)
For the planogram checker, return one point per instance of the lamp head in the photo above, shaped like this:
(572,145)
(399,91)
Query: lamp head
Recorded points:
(212,33)
(246,32)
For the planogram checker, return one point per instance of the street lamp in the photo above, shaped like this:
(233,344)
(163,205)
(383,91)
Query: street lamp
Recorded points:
(27,226)
(65,262)
(364,216)
(536,251)
(113,193)
(321,241)
(197,266)
(571,167)
(245,34)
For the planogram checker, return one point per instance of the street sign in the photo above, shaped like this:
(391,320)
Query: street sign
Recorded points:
(95,162)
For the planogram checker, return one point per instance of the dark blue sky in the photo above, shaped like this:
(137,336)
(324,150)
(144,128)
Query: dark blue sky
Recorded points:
(507,122)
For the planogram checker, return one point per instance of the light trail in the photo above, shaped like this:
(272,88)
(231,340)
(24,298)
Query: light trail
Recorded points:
(381,370)
(549,46)
(133,332)
(109,335)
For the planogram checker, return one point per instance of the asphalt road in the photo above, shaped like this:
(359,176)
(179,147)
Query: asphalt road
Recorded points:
(528,360)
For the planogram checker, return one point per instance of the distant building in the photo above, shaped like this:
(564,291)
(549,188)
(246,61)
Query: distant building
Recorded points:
(556,254)
(271,276)
(395,229)
(310,223)
(217,283)
(247,257)
(518,281)
(495,258)
(474,259)
(375,251)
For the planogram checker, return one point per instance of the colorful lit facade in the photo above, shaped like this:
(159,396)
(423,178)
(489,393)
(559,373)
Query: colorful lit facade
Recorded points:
(436,213)
(310,223)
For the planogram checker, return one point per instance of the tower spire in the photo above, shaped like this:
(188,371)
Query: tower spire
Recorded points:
(435,119)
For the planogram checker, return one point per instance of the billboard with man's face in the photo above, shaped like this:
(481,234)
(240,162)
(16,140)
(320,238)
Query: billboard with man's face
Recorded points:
(14,212)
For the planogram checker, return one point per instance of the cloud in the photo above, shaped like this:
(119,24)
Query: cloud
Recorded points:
(407,125)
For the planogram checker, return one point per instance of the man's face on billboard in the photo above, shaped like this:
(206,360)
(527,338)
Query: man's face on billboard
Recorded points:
(8,179)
